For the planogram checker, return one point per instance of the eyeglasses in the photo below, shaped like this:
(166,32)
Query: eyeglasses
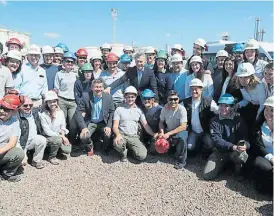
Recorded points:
(173,99)
(27,105)
(82,58)
(69,62)
(5,109)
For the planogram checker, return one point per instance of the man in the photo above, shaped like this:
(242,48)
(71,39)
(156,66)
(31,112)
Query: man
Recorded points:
(34,79)
(238,53)
(173,123)
(125,127)
(51,70)
(268,79)
(200,110)
(229,134)
(95,114)
(14,44)
(30,126)
(105,50)
(125,62)
(128,50)
(58,57)
(217,76)
(150,57)
(178,75)
(11,155)
(140,77)
(82,56)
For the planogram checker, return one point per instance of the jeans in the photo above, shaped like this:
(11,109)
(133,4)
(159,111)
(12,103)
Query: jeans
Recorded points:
(196,139)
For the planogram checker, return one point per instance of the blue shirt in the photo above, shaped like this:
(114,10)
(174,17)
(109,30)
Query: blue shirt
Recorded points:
(51,71)
(96,112)
(139,74)
(178,80)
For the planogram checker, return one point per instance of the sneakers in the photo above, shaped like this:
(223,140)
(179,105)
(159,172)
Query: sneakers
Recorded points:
(54,161)
(37,165)
(179,165)
(15,178)
(124,159)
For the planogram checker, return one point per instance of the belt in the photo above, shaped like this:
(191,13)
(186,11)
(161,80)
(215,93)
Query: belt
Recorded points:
(66,99)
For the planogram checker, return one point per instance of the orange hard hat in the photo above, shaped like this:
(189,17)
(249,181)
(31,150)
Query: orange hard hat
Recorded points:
(10,101)
(81,52)
(111,57)
(161,145)
(14,41)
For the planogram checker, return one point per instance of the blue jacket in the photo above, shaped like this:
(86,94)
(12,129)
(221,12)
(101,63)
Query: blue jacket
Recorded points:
(79,88)
(164,85)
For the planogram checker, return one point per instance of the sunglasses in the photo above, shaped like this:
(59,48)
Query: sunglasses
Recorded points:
(27,105)
(82,58)
(173,99)
(5,109)
(69,62)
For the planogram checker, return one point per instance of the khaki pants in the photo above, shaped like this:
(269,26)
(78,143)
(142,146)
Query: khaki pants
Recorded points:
(38,143)
(55,143)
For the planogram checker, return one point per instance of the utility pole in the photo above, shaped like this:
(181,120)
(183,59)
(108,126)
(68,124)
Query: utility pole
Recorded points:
(257,26)
(114,17)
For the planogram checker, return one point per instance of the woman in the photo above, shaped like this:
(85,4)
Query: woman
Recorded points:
(96,62)
(197,70)
(64,84)
(263,148)
(229,79)
(251,55)
(54,127)
(163,78)
(14,63)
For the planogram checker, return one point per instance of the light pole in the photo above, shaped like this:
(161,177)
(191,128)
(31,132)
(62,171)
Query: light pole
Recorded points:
(114,17)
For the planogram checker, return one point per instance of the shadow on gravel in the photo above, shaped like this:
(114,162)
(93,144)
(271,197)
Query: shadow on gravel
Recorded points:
(266,210)
(112,157)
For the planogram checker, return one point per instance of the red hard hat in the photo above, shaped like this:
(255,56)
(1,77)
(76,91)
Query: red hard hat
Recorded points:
(10,101)
(111,57)
(161,145)
(14,41)
(81,52)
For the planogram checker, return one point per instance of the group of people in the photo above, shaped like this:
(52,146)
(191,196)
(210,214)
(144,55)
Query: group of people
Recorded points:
(138,103)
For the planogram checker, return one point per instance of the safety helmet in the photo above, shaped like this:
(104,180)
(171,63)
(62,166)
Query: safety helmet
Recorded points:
(196,59)
(111,57)
(177,47)
(128,48)
(238,47)
(14,41)
(196,82)
(200,42)
(69,54)
(150,50)
(47,50)
(10,101)
(58,50)
(81,52)
(226,99)
(87,67)
(15,54)
(96,57)
(245,69)
(161,54)
(131,89)
(269,101)
(34,49)
(252,44)
(50,95)
(125,58)
(105,46)
(176,58)
(161,145)
(63,47)
(222,53)
(147,93)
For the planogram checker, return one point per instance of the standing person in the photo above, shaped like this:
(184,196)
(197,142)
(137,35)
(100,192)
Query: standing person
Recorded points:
(251,55)
(29,139)
(63,46)
(95,114)
(58,56)
(14,44)
(96,62)
(11,155)
(51,70)
(6,80)
(13,62)
(172,125)
(229,134)
(105,50)
(64,84)
(196,70)
(81,59)
(128,50)
(54,127)
(237,52)
(125,127)
(268,79)
(150,57)
(125,62)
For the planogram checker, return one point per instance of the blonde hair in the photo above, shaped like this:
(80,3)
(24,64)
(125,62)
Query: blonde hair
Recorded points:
(252,83)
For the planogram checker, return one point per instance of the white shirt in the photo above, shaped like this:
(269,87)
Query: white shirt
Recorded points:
(268,139)
(227,79)
(268,89)
(6,80)
(259,68)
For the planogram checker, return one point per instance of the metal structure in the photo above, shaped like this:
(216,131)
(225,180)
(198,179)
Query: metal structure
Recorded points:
(114,13)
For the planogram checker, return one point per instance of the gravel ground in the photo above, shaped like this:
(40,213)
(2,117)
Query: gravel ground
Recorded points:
(104,186)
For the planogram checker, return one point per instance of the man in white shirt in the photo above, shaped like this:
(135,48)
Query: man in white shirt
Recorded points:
(268,79)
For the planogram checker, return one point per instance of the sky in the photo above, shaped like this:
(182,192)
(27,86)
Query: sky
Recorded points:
(80,24)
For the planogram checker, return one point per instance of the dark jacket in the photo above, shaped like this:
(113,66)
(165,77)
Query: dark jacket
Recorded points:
(24,126)
(79,88)
(164,85)
(217,78)
(233,90)
(228,132)
(86,106)
(205,115)
(148,80)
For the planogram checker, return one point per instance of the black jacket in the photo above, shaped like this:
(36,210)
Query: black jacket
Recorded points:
(86,106)
(79,88)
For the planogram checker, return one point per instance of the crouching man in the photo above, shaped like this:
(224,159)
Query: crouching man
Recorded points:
(174,116)
(11,156)
(229,134)
(125,127)
(29,138)
(95,114)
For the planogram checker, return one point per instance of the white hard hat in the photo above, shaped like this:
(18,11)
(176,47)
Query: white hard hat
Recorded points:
(196,59)
(128,48)
(176,58)
(47,50)
(269,101)
(105,46)
(131,89)
(252,44)
(150,50)
(177,46)
(15,54)
(222,53)
(200,41)
(96,57)
(245,69)
(50,95)
(34,49)
(196,82)
(58,50)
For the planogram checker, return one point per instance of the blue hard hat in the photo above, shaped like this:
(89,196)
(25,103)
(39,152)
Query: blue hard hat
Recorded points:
(70,55)
(63,47)
(226,99)
(238,47)
(125,58)
(147,93)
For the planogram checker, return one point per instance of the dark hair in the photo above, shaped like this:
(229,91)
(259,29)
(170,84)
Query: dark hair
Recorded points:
(172,93)
(256,56)
(224,72)
(18,69)
(1,48)
(269,66)
(46,107)
(200,73)
(98,81)
(204,59)
(155,67)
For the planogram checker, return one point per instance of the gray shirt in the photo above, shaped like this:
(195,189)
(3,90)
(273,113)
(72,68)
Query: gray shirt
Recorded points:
(8,129)
(128,119)
(6,80)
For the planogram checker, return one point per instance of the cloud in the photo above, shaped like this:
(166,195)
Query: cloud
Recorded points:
(168,34)
(52,35)
(3,2)
(249,18)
